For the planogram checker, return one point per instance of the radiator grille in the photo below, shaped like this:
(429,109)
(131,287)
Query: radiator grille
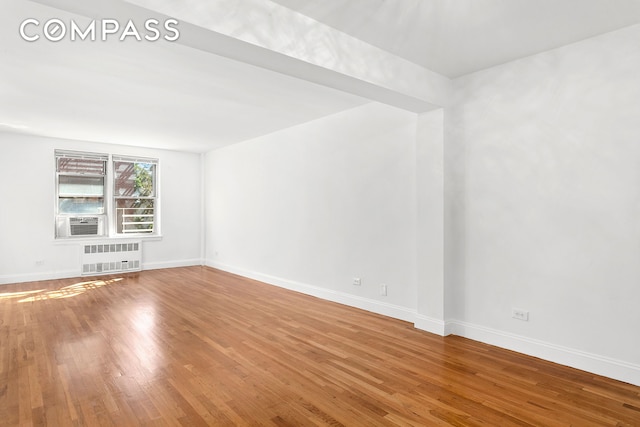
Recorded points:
(111,267)
(107,257)
(111,247)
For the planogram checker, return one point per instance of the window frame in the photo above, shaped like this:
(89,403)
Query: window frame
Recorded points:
(109,197)
(155,197)
(64,154)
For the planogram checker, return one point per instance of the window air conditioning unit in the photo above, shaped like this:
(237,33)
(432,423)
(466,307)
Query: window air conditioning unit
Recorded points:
(80,226)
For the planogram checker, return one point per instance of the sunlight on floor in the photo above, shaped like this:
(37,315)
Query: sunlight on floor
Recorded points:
(64,292)
(146,346)
(10,295)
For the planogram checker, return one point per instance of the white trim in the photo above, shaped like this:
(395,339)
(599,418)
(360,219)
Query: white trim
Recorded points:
(36,277)
(430,324)
(115,239)
(68,274)
(157,202)
(71,154)
(600,365)
(379,307)
(203,209)
(133,159)
(171,264)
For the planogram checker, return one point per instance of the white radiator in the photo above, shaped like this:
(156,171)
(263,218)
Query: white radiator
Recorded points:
(110,257)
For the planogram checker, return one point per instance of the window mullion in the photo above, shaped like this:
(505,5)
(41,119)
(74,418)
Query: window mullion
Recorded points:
(109,197)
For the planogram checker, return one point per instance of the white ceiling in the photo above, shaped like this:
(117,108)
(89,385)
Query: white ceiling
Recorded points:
(167,95)
(457,37)
(162,95)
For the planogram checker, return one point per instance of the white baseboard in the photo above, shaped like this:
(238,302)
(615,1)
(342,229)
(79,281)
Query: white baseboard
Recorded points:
(171,264)
(593,363)
(66,274)
(600,365)
(429,324)
(379,307)
(37,277)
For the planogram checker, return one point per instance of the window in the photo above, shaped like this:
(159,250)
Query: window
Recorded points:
(80,183)
(134,195)
(104,195)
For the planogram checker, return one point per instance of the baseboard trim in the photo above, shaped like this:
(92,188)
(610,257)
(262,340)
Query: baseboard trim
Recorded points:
(67,274)
(596,364)
(378,307)
(429,324)
(171,264)
(600,365)
(37,277)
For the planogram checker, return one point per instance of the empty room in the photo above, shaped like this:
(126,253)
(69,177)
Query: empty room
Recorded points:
(313,213)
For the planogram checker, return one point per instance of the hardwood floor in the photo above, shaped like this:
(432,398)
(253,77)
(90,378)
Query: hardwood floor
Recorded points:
(196,346)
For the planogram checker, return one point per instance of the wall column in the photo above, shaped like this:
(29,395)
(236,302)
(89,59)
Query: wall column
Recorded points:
(430,222)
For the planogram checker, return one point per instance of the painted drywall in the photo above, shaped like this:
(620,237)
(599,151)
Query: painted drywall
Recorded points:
(430,235)
(549,162)
(28,250)
(316,205)
(321,53)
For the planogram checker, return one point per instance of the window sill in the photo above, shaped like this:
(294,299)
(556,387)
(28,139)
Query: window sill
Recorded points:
(73,240)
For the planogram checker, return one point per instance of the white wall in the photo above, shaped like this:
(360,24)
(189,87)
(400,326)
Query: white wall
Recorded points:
(522,194)
(27,200)
(430,221)
(550,147)
(316,205)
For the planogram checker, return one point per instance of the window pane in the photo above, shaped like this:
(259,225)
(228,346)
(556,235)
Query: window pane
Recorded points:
(135,215)
(81,205)
(134,179)
(81,166)
(80,186)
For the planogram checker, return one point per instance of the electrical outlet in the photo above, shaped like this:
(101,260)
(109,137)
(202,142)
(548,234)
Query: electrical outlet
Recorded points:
(383,290)
(519,314)
(357,281)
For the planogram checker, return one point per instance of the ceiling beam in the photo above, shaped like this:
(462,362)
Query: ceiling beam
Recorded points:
(265,34)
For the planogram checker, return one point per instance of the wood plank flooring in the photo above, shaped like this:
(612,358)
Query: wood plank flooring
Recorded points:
(195,346)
